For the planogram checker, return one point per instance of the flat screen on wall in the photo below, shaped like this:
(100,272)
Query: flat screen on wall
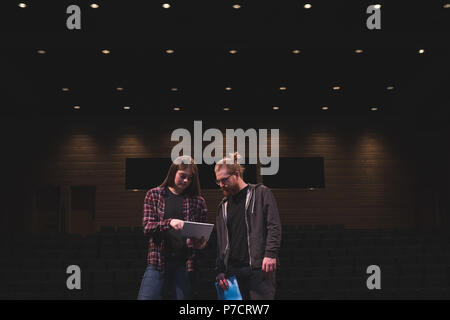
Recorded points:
(147,173)
(306,172)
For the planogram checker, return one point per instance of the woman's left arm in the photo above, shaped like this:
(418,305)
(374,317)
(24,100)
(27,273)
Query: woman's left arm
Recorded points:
(203,210)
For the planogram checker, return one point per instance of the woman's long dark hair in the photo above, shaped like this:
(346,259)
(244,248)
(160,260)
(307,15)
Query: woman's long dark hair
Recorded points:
(183,163)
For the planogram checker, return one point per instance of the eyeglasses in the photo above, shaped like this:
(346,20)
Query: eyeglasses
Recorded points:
(223,181)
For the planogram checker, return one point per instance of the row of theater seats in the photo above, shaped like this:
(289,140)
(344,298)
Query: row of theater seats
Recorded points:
(316,262)
(326,263)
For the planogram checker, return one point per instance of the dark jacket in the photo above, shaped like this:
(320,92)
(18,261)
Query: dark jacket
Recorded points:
(263,228)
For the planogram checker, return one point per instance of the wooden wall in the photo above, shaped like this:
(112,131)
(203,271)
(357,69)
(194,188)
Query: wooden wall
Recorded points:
(372,167)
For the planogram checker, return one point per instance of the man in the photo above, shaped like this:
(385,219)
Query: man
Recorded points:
(248,233)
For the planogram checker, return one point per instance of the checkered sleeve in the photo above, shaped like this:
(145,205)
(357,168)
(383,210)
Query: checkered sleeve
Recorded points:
(151,222)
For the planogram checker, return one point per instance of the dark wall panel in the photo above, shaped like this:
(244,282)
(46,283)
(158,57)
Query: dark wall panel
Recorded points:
(370,168)
(300,173)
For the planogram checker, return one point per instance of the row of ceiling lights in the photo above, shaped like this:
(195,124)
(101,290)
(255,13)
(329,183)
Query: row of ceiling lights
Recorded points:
(234,6)
(233,51)
(335,88)
(77,107)
(168,6)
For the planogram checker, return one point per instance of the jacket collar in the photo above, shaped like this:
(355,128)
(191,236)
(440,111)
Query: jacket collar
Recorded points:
(251,187)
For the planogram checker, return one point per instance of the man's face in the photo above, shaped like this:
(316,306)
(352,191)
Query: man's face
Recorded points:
(227,182)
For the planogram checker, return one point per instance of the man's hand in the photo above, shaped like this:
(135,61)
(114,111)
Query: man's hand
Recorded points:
(223,283)
(269,264)
(177,224)
(196,243)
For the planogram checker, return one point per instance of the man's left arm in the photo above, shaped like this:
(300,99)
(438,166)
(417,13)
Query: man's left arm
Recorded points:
(273,238)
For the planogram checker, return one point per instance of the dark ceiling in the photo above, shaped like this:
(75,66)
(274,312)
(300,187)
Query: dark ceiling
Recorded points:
(202,33)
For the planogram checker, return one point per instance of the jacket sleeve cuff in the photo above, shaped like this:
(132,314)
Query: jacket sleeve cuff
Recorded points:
(272,255)
(220,269)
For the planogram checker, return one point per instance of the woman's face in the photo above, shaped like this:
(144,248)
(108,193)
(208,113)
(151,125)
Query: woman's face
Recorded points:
(183,179)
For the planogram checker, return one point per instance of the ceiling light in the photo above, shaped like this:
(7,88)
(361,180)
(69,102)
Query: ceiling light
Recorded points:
(226,109)
(22,5)
(421,51)
(105,51)
(377,6)
(76,107)
(233,51)
(228,88)
(94,6)
(41,51)
(335,88)
(119,89)
(276,108)
(283,88)
(135,190)
(65,89)
(325,108)
(308,6)
(173,89)
(236,6)
(374,109)
(177,109)
(169,51)
(166,6)
(296,51)
(390,88)
(126,108)
(358,51)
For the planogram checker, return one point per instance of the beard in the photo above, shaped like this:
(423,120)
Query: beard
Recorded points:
(231,190)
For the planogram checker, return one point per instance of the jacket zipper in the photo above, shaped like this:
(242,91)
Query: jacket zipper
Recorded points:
(248,236)
(226,232)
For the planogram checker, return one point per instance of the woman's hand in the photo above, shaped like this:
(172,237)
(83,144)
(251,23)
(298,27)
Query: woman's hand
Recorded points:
(177,224)
(196,243)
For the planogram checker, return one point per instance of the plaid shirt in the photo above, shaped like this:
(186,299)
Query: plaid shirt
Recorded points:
(194,209)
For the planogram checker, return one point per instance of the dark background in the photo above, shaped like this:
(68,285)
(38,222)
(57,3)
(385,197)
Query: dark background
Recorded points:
(385,171)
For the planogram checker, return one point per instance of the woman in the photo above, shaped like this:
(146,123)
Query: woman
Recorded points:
(170,257)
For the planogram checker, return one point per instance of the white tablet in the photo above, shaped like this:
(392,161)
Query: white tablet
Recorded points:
(197,230)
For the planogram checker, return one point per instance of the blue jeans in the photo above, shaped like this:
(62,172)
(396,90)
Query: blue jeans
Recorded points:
(155,283)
